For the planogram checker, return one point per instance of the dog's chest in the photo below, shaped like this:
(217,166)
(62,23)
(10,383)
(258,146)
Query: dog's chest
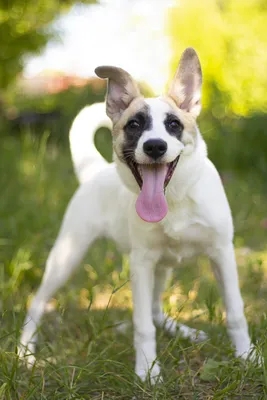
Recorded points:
(185,234)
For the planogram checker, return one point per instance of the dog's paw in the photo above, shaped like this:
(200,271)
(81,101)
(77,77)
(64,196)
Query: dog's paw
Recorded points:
(194,335)
(150,372)
(174,328)
(252,354)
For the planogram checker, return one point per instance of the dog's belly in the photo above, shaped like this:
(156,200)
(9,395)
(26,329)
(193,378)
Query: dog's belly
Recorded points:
(185,242)
(174,255)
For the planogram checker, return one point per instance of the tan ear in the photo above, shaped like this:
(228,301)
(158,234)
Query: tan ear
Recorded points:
(122,89)
(185,88)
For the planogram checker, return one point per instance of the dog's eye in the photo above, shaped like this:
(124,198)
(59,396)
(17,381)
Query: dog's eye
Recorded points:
(174,125)
(133,125)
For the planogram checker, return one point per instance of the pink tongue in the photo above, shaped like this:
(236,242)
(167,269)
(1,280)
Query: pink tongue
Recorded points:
(151,204)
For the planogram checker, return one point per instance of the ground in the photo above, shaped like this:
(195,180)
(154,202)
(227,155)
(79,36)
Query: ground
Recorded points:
(83,352)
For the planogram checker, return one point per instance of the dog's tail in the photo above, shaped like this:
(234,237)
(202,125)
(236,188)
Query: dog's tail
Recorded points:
(86,159)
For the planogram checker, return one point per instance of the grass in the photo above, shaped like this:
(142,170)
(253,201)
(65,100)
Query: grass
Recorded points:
(81,353)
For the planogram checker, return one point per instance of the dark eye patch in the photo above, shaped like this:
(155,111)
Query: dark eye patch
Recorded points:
(173,125)
(133,130)
(137,124)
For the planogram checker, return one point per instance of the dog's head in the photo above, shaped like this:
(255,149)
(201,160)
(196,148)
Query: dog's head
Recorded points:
(149,135)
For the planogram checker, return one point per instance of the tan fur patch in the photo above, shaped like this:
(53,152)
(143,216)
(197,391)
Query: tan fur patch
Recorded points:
(187,119)
(136,105)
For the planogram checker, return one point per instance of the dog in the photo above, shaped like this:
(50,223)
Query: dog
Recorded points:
(161,201)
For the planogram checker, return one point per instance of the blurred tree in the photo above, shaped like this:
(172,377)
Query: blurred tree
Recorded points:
(231,39)
(24,30)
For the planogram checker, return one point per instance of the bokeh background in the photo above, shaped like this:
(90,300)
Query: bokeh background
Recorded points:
(48,52)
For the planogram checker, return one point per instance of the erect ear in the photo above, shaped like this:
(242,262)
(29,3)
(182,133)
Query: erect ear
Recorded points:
(121,90)
(185,88)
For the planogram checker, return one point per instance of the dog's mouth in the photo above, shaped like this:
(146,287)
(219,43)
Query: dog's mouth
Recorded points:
(151,204)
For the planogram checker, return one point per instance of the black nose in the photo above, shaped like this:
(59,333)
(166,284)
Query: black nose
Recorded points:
(155,148)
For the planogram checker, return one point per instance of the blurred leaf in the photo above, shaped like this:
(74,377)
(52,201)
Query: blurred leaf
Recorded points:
(3,388)
(211,370)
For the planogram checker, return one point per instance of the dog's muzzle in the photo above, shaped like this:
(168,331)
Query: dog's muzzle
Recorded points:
(151,204)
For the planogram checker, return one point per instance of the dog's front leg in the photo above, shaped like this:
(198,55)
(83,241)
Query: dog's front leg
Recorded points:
(142,264)
(225,270)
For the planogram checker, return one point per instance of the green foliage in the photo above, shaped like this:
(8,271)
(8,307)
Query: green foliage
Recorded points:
(231,39)
(66,104)
(24,30)
(211,370)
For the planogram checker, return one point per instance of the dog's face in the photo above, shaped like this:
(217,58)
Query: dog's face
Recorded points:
(149,135)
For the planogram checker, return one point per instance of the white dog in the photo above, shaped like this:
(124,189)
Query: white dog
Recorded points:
(161,201)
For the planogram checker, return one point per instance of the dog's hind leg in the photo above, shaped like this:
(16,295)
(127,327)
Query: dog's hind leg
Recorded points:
(225,271)
(77,232)
(162,274)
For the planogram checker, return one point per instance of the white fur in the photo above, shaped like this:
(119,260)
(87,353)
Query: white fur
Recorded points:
(198,221)
(158,112)
(85,162)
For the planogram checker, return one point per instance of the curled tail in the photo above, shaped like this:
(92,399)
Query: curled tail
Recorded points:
(86,158)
